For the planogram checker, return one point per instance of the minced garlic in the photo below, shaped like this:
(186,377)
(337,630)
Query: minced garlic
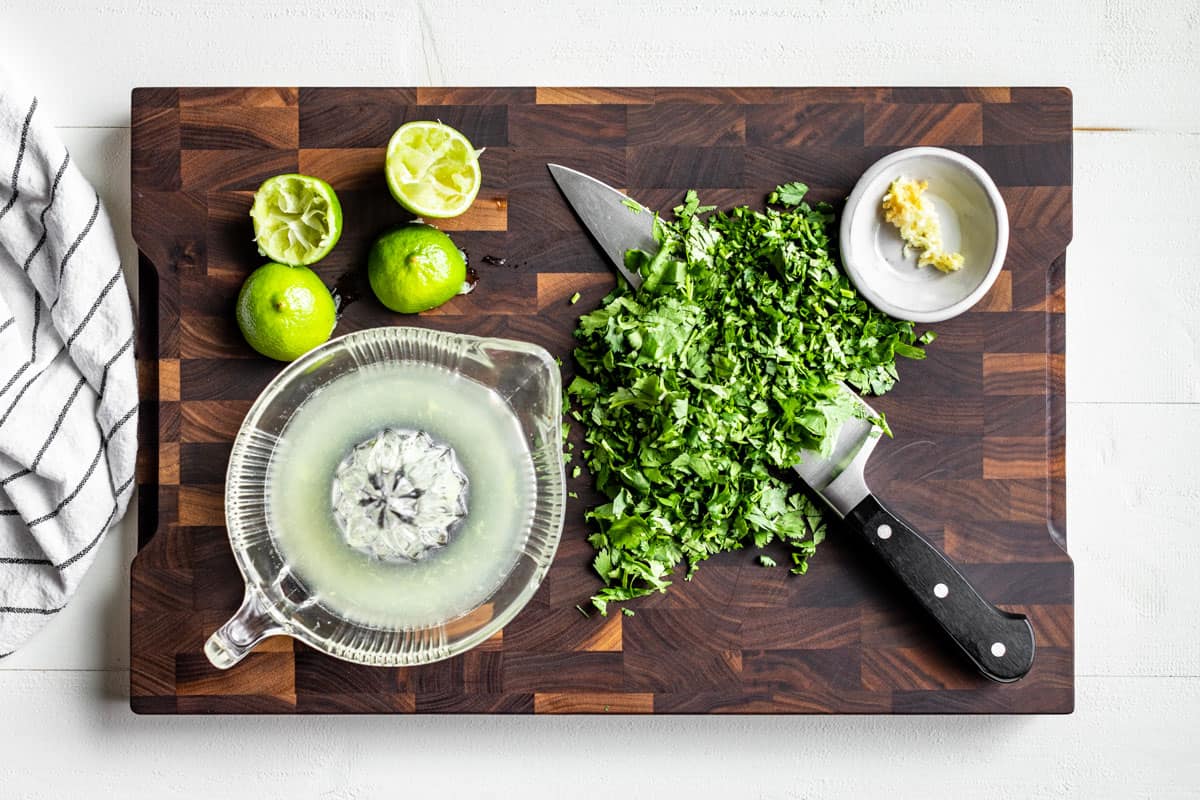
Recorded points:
(906,207)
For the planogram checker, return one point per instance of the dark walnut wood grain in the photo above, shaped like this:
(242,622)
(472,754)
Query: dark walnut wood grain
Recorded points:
(977,462)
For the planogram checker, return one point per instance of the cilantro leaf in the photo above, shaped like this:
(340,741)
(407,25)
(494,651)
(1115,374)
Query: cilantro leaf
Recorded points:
(789,194)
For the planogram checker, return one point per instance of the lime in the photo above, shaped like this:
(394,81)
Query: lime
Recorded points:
(432,170)
(285,311)
(415,267)
(297,219)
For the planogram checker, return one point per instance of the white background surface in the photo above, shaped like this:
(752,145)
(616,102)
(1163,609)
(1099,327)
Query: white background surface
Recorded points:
(1133,400)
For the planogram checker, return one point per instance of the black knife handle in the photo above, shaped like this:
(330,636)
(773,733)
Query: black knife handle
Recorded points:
(1000,643)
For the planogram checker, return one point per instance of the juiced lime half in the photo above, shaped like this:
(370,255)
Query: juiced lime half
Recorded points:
(297,219)
(432,169)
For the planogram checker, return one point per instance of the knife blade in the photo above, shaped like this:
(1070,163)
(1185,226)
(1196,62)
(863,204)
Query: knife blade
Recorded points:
(617,222)
(999,643)
(840,477)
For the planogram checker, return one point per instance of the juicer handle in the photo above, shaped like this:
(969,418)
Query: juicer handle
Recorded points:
(238,636)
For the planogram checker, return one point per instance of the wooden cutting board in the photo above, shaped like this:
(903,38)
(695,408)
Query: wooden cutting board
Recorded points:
(977,462)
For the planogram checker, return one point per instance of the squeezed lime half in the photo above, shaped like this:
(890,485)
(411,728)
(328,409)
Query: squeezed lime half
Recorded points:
(297,219)
(432,169)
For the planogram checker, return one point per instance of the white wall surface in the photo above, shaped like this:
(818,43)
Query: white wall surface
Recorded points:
(1133,400)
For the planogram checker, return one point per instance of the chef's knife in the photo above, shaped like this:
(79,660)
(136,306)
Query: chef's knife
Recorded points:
(999,643)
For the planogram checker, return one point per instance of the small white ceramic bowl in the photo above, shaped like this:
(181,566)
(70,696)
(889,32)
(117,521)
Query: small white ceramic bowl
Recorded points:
(973,219)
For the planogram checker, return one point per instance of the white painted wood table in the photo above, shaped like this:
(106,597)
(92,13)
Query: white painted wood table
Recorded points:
(1133,393)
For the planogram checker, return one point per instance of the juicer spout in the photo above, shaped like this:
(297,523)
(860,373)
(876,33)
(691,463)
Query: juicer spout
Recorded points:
(234,640)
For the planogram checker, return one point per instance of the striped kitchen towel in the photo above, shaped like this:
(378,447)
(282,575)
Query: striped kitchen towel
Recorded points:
(68,391)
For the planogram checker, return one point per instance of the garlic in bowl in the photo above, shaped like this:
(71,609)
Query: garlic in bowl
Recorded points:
(959,208)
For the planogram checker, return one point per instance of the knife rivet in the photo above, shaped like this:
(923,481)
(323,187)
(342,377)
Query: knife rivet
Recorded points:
(941,590)
(998,649)
(884,531)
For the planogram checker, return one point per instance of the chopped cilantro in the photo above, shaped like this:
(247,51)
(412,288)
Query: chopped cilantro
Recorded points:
(698,391)
(575,298)
(632,205)
(766,560)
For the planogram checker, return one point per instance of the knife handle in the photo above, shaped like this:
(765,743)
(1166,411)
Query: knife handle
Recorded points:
(1000,643)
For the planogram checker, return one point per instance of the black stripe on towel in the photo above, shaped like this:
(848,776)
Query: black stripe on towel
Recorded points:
(28,383)
(16,191)
(111,361)
(128,415)
(62,415)
(95,306)
(37,318)
(62,268)
(103,528)
(21,473)
(20,610)
(57,423)
(54,512)
(37,248)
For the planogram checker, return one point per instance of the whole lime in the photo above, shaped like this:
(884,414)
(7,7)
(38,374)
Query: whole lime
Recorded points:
(285,311)
(415,268)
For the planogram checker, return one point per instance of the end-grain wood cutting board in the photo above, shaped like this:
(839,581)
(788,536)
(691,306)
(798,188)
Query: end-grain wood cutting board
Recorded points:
(977,462)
